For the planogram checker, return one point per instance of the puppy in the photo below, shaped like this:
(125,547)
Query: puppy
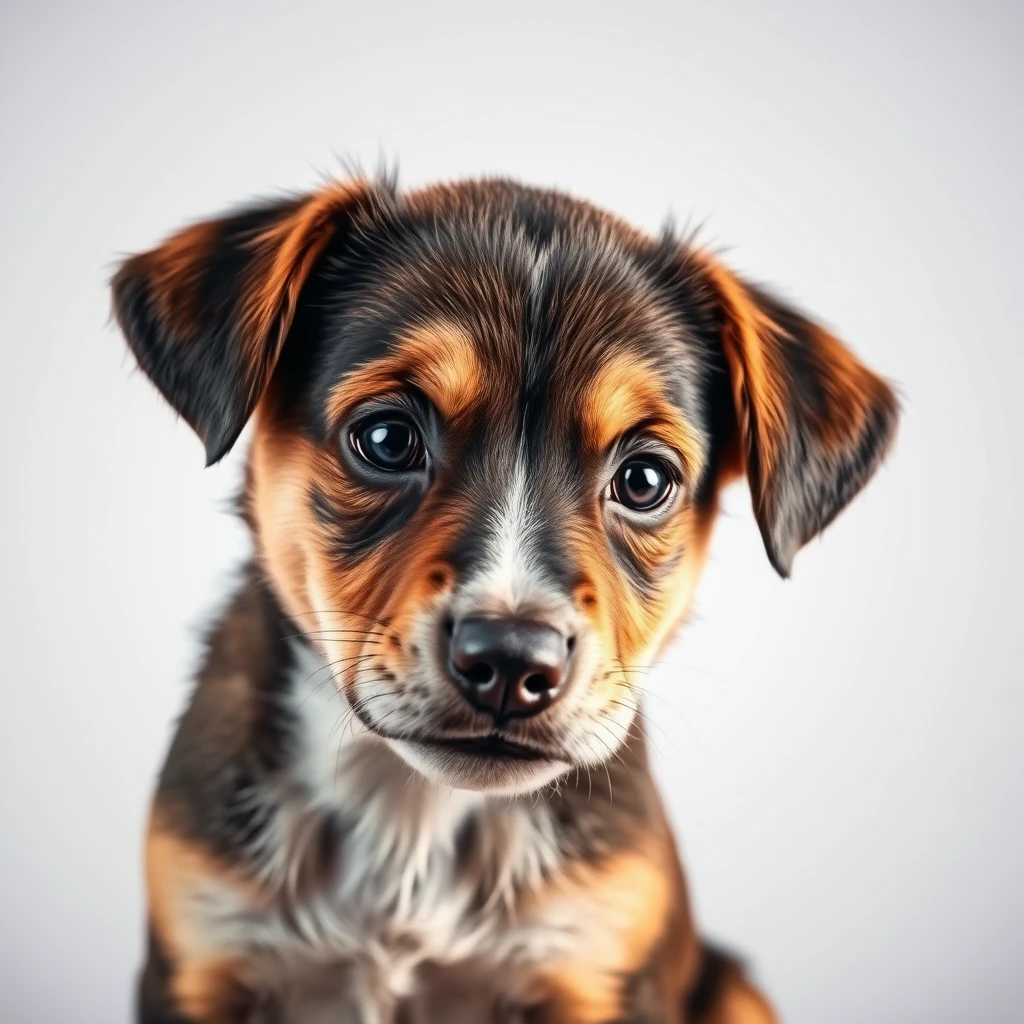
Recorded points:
(490,427)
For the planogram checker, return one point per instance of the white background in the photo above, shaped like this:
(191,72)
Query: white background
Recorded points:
(842,753)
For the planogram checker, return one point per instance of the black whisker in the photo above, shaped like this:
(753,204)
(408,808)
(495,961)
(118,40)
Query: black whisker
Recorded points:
(320,633)
(356,706)
(327,666)
(355,615)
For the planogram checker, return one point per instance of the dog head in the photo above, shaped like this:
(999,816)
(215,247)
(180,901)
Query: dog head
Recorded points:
(490,427)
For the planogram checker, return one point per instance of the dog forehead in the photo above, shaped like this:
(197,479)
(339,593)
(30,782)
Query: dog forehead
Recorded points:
(493,315)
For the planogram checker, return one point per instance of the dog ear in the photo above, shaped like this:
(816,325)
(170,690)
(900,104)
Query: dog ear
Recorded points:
(207,312)
(814,422)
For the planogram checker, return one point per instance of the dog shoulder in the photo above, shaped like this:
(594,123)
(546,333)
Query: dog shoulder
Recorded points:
(213,821)
(237,731)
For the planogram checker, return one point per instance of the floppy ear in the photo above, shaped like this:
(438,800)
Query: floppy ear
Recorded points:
(814,422)
(207,312)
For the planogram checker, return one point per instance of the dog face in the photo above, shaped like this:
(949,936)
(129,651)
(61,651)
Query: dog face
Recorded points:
(490,427)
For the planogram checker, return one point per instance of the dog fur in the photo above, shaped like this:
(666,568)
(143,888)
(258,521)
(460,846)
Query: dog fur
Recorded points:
(323,845)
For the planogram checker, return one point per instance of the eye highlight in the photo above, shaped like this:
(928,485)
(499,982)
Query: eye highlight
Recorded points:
(391,444)
(642,484)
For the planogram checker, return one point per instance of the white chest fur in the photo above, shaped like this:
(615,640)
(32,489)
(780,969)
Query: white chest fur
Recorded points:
(398,901)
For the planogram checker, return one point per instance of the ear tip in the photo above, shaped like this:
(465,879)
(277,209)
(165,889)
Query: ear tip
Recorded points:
(883,426)
(217,443)
(893,411)
(131,307)
(889,396)
(780,548)
(782,564)
(126,278)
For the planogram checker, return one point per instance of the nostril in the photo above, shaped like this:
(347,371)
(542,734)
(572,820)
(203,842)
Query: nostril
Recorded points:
(479,674)
(449,626)
(538,683)
(508,668)
(571,644)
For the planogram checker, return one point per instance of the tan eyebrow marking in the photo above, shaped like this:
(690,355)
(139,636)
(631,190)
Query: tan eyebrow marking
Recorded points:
(439,358)
(627,391)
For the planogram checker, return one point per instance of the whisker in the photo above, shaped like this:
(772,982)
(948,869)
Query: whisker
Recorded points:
(338,611)
(686,667)
(342,720)
(638,710)
(319,633)
(379,726)
(362,656)
(360,704)
(355,705)
(618,743)
(330,675)
(604,764)
(633,686)
(650,693)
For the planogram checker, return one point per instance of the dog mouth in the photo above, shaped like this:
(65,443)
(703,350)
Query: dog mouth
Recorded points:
(487,764)
(493,747)
(490,747)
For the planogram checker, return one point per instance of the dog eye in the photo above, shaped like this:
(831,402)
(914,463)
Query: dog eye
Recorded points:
(641,484)
(393,444)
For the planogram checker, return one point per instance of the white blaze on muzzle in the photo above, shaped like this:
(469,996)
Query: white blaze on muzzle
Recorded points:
(511,580)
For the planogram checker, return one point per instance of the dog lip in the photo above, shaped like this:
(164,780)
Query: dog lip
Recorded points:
(490,746)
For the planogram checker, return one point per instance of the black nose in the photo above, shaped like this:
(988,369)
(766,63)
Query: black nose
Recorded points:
(509,668)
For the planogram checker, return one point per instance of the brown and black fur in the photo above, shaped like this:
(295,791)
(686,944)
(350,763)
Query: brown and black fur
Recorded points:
(521,332)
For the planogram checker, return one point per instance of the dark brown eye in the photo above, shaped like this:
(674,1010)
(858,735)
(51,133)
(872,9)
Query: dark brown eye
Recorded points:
(641,484)
(392,445)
